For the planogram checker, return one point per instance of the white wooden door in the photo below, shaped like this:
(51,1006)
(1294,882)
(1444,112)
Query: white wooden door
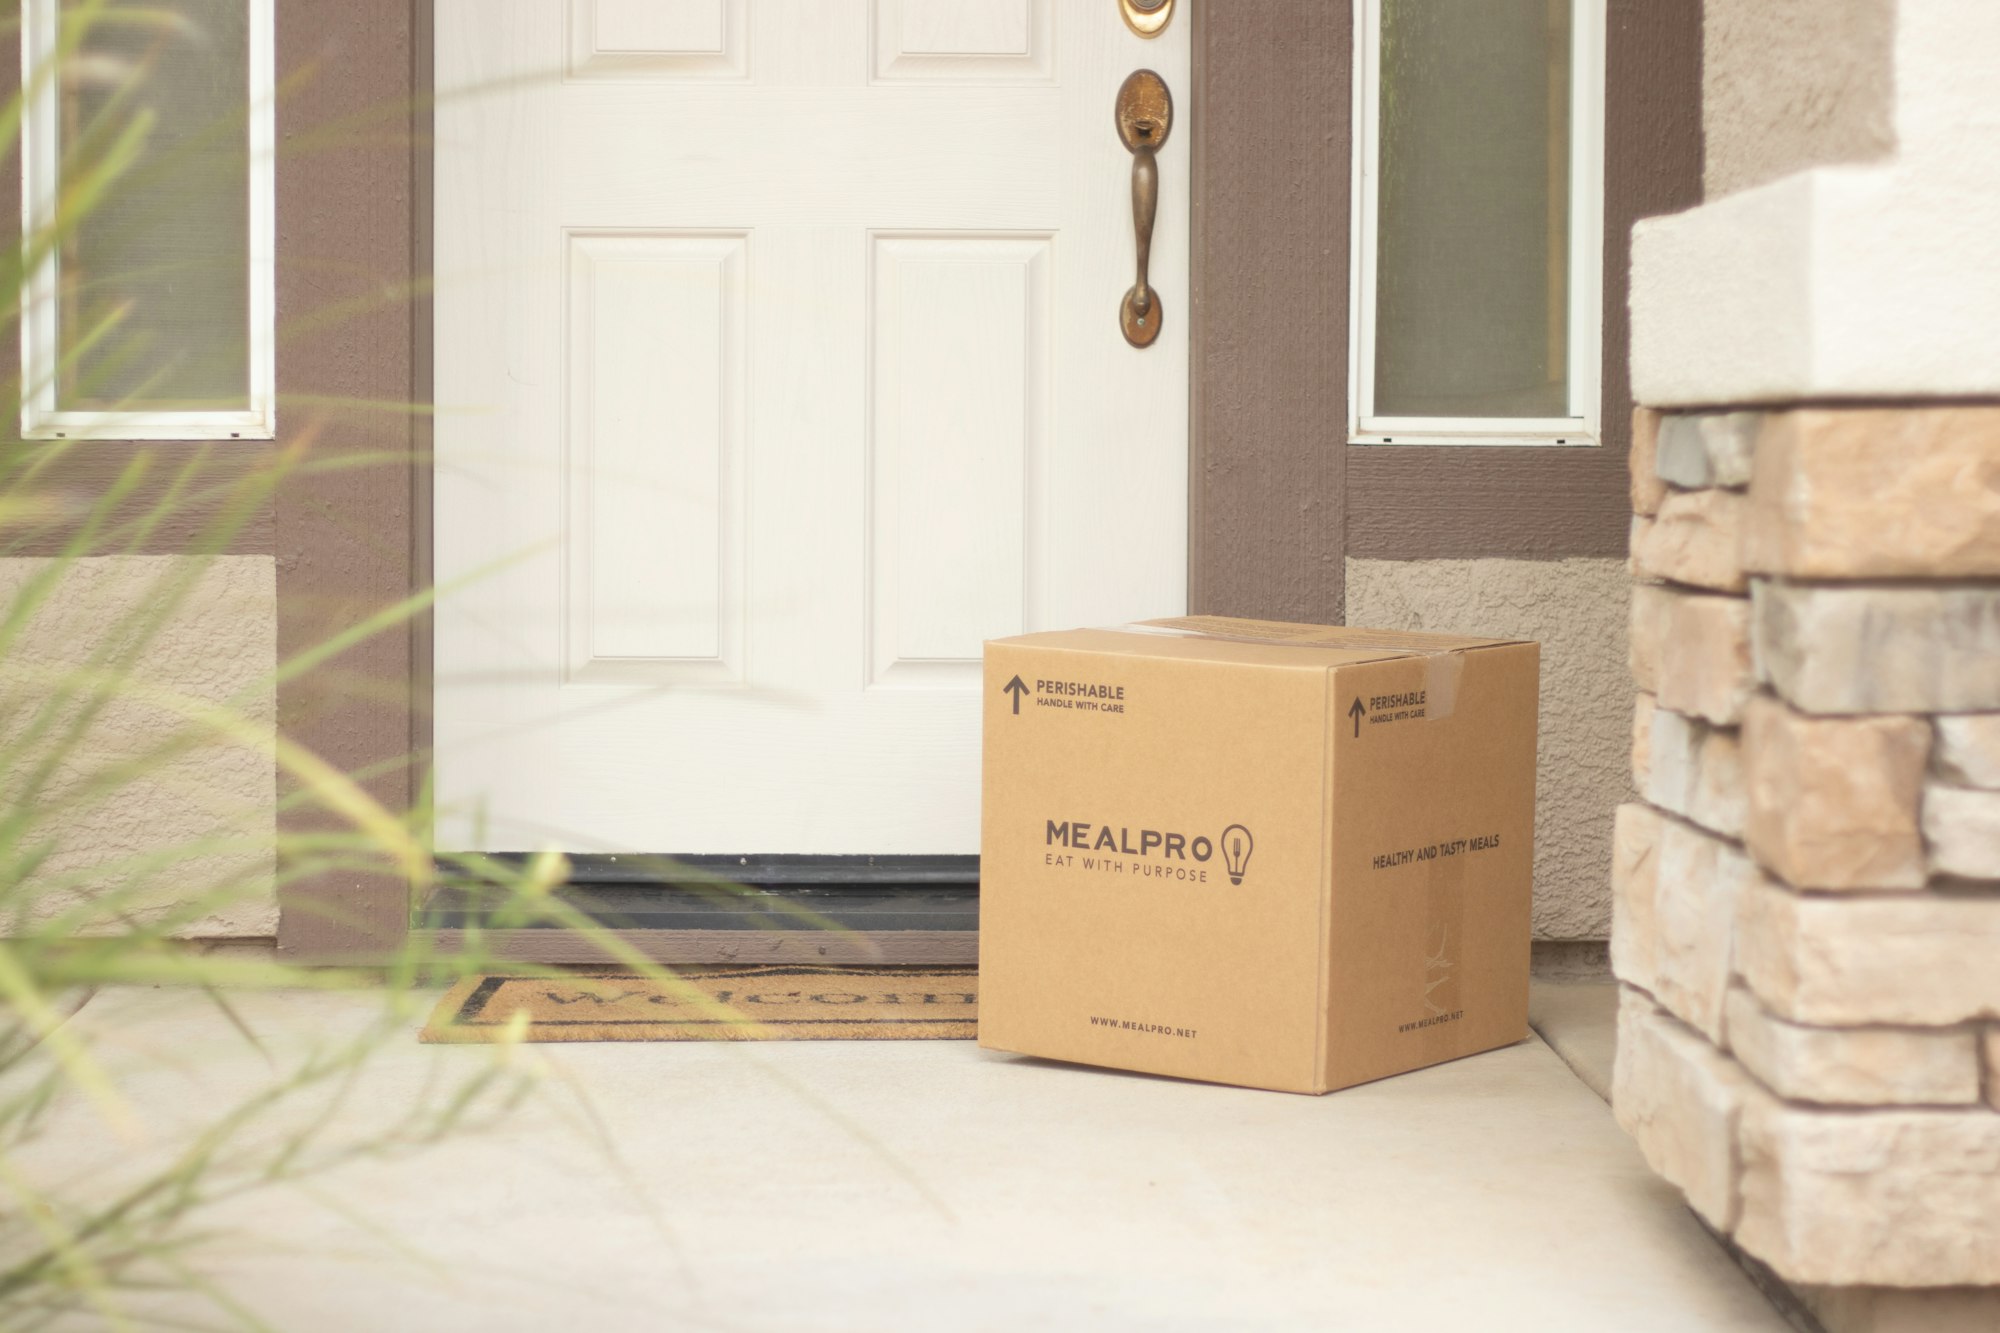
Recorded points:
(778,366)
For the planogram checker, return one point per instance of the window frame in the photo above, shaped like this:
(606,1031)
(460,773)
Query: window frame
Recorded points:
(1582,427)
(40,334)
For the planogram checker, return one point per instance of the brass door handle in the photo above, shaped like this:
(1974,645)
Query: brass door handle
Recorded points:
(1145,114)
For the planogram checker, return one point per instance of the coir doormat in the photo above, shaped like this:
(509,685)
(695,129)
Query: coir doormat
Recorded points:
(716,1004)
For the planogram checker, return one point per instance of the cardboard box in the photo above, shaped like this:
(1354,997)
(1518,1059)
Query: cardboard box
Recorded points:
(1284,856)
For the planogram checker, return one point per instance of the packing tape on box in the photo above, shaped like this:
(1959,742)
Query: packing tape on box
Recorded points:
(1442,666)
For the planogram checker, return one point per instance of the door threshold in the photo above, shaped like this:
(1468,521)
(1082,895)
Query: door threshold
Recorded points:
(762,870)
(886,910)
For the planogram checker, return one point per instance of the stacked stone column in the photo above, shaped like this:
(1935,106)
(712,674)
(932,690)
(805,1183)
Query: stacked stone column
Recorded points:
(1807,901)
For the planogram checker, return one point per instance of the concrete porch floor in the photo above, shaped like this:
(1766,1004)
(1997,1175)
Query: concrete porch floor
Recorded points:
(920,1185)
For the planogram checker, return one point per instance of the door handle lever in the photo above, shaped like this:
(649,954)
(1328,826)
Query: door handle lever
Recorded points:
(1145,115)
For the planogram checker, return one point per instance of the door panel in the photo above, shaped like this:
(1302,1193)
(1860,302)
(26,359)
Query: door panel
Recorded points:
(960,40)
(654,457)
(779,366)
(959,336)
(611,39)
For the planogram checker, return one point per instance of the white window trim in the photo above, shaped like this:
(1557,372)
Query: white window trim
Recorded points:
(41,162)
(1586,231)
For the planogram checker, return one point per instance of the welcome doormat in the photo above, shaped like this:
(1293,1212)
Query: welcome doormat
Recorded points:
(716,1004)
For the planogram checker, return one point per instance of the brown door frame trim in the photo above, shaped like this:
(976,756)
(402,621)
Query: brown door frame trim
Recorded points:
(1277,500)
(1267,375)
(354,224)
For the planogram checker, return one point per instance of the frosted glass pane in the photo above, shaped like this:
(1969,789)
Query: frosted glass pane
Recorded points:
(1472,250)
(169,245)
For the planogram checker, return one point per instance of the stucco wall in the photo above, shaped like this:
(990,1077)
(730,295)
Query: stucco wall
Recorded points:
(1790,84)
(218,795)
(1576,609)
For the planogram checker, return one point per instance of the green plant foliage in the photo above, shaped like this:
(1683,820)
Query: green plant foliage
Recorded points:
(89,730)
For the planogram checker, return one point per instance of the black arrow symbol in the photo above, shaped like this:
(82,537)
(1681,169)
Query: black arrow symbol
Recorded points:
(1017,689)
(1355,711)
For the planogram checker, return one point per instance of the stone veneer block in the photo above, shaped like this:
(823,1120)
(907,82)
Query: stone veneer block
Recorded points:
(1877,493)
(1695,647)
(1968,749)
(1695,770)
(1642,739)
(1962,830)
(1643,634)
(1890,1197)
(1637,535)
(1991,1041)
(1696,538)
(1699,449)
(1916,960)
(1635,866)
(1699,885)
(1849,1309)
(1680,1100)
(1833,802)
(1879,650)
(1675,902)
(1873,1066)
(1646,487)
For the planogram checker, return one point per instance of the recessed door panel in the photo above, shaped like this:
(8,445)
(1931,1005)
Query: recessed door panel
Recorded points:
(957,419)
(658,39)
(655,347)
(965,41)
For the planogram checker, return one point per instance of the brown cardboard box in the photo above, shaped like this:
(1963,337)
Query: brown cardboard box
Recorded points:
(1285,856)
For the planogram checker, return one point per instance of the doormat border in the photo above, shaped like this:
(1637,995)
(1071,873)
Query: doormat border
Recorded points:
(462,1014)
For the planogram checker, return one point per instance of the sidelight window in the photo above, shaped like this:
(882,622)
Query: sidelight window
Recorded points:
(148,202)
(1477,238)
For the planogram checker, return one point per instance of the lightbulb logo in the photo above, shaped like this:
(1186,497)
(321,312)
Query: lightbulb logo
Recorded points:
(1236,846)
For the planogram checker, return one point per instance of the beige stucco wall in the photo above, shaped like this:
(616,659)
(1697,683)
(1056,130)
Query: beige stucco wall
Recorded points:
(1790,84)
(1576,609)
(215,646)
